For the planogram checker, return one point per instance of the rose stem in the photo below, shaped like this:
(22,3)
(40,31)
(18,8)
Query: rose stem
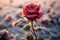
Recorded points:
(33,30)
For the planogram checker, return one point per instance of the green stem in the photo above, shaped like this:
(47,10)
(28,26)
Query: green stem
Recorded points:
(33,30)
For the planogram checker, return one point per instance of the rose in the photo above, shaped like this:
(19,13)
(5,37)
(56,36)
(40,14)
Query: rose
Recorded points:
(31,11)
(5,34)
(9,19)
(45,22)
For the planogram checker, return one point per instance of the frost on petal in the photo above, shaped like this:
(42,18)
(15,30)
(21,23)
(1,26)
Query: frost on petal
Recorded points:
(31,11)
(40,15)
(37,8)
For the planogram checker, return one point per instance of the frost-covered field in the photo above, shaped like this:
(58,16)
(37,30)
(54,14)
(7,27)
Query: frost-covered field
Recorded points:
(12,12)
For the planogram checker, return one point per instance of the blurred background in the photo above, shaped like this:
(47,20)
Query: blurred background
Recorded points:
(46,28)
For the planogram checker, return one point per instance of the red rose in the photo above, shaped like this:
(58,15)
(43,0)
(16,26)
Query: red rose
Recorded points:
(31,11)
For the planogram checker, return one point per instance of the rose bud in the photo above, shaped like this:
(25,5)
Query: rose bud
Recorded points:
(52,4)
(9,19)
(45,22)
(5,34)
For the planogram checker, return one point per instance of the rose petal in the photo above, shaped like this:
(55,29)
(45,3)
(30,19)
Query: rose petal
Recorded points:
(40,15)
